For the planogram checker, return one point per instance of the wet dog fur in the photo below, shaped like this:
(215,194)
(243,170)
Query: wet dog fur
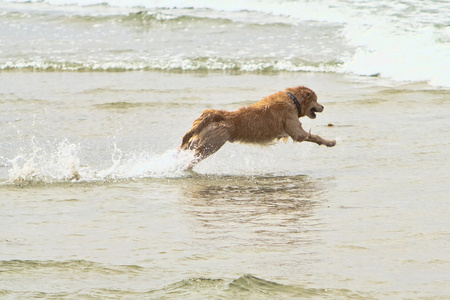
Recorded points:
(272,118)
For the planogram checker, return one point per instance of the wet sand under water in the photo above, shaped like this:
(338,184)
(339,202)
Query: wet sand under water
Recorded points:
(365,219)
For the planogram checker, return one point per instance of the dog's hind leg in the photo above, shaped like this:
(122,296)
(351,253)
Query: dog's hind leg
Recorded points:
(211,139)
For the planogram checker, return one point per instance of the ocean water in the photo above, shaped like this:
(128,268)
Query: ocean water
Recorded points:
(94,199)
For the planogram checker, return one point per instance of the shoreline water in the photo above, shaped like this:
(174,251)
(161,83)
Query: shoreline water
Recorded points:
(352,221)
(404,42)
(366,219)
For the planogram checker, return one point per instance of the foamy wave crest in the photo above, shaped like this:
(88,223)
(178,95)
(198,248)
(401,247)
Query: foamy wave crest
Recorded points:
(62,164)
(403,54)
(174,64)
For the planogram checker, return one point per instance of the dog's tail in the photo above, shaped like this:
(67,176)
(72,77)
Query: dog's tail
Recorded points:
(208,116)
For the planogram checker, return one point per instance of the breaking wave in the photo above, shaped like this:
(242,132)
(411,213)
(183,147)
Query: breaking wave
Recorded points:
(173,64)
(402,41)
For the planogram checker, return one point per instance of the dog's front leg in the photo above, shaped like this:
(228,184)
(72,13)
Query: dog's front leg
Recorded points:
(319,141)
(298,134)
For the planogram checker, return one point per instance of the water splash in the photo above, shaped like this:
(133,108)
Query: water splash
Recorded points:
(141,165)
(60,162)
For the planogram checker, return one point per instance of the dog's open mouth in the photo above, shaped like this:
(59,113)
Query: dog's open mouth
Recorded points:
(313,113)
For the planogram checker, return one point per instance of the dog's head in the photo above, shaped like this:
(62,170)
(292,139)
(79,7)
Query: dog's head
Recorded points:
(308,101)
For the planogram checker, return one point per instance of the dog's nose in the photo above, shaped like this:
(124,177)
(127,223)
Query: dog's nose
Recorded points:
(322,107)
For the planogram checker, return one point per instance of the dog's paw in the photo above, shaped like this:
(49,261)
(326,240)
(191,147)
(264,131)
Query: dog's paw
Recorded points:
(330,143)
(193,143)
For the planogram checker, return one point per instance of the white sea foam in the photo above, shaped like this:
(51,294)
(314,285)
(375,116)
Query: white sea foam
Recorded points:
(404,54)
(174,63)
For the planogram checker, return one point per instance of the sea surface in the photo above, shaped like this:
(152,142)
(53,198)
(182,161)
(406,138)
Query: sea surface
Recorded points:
(95,202)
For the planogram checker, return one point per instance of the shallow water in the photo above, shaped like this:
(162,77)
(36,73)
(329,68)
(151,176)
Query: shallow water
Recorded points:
(94,199)
(365,219)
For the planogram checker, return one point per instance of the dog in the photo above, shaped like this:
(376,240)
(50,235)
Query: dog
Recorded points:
(272,118)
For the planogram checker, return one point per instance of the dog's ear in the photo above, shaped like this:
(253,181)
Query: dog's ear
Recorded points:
(307,94)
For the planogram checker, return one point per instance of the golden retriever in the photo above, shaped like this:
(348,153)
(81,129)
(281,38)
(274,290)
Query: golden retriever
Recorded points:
(273,117)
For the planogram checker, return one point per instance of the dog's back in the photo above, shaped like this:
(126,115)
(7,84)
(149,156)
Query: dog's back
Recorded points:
(259,123)
(208,116)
